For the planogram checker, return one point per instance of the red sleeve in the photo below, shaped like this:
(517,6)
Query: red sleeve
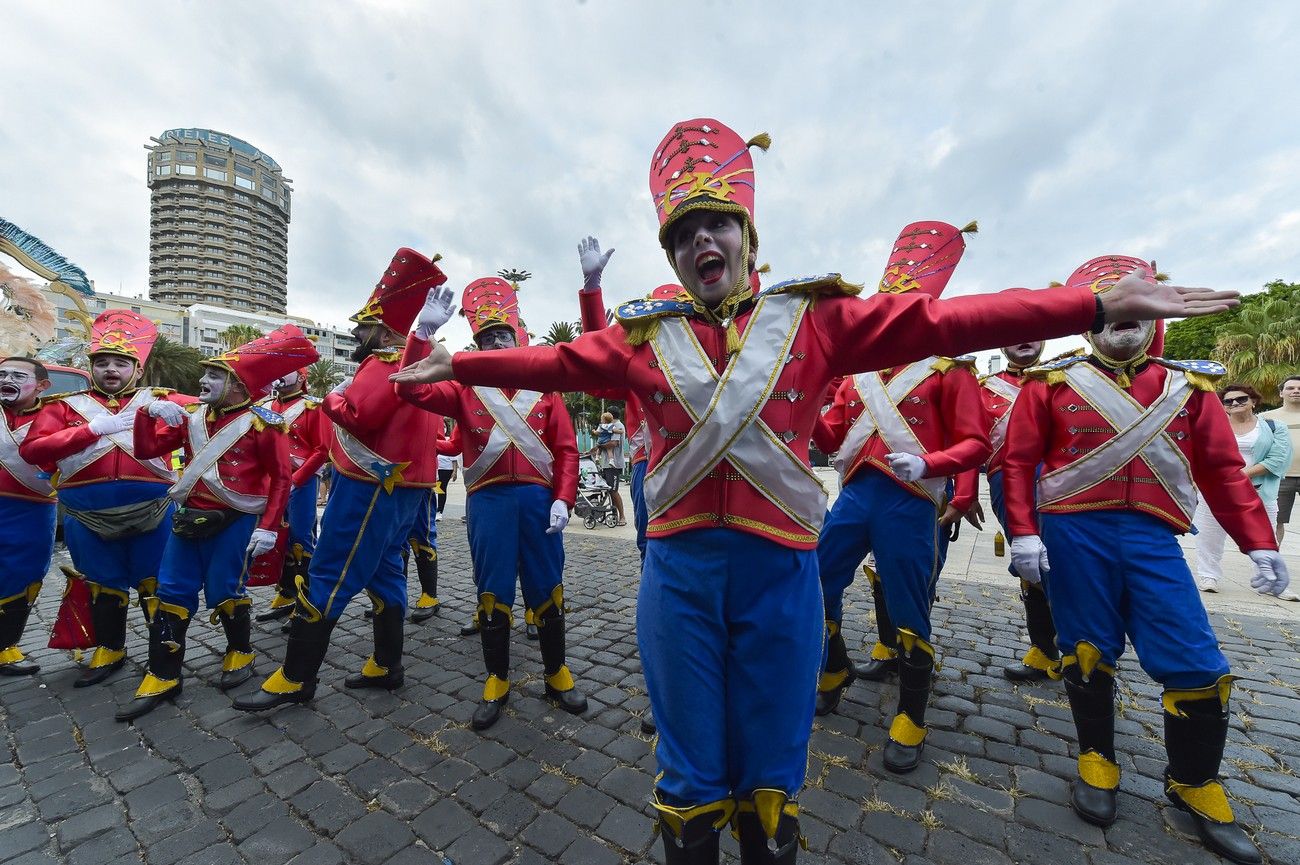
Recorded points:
(273,454)
(52,438)
(1217,469)
(321,433)
(1027,433)
(966,426)
(832,426)
(564,447)
(966,489)
(450,446)
(442,398)
(591,362)
(153,438)
(592,305)
(883,331)
(367,404)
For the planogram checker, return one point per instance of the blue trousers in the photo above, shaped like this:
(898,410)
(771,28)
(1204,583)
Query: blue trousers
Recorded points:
(640,516)
(362,535)
(119,564)
(1117,573)
(26,543)
(424,528)
(218,565)
(875,514)
(507,537)
(730,631)
(301,516)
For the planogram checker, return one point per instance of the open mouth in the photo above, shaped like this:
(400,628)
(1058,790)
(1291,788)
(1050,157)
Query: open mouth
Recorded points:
(8,391)
(1127,325)
(709,266)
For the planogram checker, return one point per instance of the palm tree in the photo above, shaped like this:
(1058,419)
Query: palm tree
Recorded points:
(238,334)
(561,331)
(174,366)
(322,376)
(1261,346)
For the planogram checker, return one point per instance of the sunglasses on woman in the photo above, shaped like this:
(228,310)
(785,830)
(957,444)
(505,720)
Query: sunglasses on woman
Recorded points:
(1236,400)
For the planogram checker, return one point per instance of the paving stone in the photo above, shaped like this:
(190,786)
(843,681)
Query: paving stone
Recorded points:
(586,851)
(946,847)
(479,845)
(277,843)
(508,815)
(375,838)
(585,806)
(626,828)
(479,793)
(85,825)
(116,845)
(21,839)
(195,837)
(1060,819)
(550,834)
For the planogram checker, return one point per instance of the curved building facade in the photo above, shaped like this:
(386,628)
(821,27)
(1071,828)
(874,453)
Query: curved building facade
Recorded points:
(218,222)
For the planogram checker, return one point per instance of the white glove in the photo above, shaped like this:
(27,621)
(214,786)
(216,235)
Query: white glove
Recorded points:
(1271,576)
(107,424)
(908,467)
(592,261)
(559,517)
(168,412)
(262,541)
(342,386)
(1029,558)
(437,310)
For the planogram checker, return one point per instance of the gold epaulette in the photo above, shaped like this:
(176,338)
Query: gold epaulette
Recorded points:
(830,283)
(387,355)
(161,391)
(1053,372)
(264,417)
(1201,374)
(944,364)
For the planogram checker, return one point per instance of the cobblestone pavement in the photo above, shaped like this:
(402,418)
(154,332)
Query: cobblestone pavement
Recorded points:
(399,778)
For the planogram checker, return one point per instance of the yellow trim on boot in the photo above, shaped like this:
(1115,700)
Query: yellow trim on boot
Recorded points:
(280,602)
(1037,659)
(29,594)
(1087,657)
(872,577)
(276,683)
(555,600)
(104,657)
(96,590)
(768,805)
(676,818)
(1221,689)
(1208,799)
(417,547)
(228,606)
(561,679)
(306,609)
(911,641)
(152,686)
(881,652)
(426,601)
(33,591)
(1096,771)
(377,601)
(487,605)
(829,681)
(11,655)
(147,586)
(904,731)
(495,688)
(236,660)
(297,552)
(372,670)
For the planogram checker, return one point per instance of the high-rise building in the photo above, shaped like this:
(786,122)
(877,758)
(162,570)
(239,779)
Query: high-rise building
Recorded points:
(218,222)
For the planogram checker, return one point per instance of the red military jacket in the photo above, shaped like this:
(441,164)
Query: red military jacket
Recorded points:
(399,433)
(591,304)
(1054,425)
(257,464)
(20,479)
(60,433)
(945,413)
(838,335)
(310,434)
(997,406)
(549,418)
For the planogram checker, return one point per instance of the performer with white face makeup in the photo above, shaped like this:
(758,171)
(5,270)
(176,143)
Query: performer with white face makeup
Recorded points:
(118,516)
(1126,440)
(27,511)
(232,497)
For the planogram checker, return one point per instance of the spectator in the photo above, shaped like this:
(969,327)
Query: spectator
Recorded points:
(610,438)
(1266,449)
(1288,414)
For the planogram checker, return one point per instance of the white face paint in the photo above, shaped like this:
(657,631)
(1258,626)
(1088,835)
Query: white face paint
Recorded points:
(19,385)
(1123,340)
(212,385)
(286,384)
(112,373)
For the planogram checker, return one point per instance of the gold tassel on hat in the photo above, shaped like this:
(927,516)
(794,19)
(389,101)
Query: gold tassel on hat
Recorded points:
(762,141)
(971,227)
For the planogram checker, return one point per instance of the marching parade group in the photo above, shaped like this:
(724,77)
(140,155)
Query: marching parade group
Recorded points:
(1099,458)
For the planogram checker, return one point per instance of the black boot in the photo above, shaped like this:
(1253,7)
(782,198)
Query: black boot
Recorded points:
(559,681)
(884,654)
(163,680)
(906,739)
(691,835)
(147,589)
(108,608)
(1195,733)
(494,631)
(426,568)
(1095,795)
(13,621)
(237,665)
(295,682)
(470,629)
(838,673)
(767,827)
(1042,654)
(530,625)
(383,669)
(286,591)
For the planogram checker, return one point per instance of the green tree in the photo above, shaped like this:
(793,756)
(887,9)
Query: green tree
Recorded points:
(238,334)
(561,331)
(1261,346)
(174,365)
(322,376)
(1195,338)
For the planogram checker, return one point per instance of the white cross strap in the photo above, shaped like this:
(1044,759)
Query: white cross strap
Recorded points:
(881,416)
(1009,392)
(511,428)
(90,409)
(205,464)
(24,472)
(725,413)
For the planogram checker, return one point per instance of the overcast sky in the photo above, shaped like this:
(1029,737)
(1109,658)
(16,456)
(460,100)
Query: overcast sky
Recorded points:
(500,133)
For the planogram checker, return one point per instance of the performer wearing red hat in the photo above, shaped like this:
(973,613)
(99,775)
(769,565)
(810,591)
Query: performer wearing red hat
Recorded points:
(729,614)
(117,513)
(232,497)
(521,474)
(1126,440)
(383,453)
(309,442)
(27,510)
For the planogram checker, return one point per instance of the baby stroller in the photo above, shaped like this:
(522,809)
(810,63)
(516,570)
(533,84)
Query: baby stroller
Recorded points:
(594,504)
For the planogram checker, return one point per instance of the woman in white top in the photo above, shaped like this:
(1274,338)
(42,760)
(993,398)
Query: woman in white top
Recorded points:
(1265,447)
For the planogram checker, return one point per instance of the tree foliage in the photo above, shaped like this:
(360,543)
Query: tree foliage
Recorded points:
(1195,338)
(1261,346)
(238,334)
(322,376)
(174,366)
(561,331)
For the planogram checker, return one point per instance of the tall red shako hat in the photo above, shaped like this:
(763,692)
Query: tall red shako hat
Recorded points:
(493,302)
(257,364)
(1100,275)
(401,291)
(924,257)
(124,333)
